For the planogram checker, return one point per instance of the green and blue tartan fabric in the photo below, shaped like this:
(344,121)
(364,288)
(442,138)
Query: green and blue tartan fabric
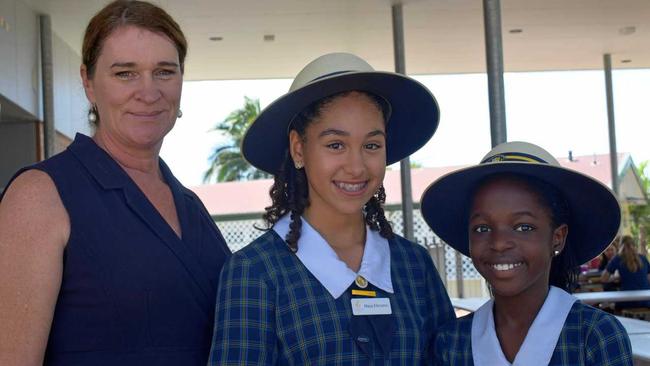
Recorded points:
(589,337)
(272,311)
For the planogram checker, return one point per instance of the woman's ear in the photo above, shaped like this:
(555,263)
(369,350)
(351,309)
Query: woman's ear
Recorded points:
(559,237)
(87,84)
(296,145)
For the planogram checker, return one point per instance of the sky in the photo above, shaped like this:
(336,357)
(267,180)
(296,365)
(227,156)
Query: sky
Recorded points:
(560,111)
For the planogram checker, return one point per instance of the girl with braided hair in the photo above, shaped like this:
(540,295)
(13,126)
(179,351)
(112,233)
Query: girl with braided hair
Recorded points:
(527,223)
(330,283)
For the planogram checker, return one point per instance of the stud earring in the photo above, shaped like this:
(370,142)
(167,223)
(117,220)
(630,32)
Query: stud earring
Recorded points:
(92,114)
(556,253)
(179,114)
(297,164)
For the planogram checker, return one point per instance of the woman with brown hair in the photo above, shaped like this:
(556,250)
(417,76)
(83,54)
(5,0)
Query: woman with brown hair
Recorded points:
(105,258)
(634,271)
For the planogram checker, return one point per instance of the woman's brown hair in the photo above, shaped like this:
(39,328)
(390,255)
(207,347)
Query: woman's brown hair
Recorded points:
(629,254)
(136,13)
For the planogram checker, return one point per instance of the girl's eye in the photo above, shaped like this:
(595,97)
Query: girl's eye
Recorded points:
(335,145)
(481,229)
(524,227)
(373,146)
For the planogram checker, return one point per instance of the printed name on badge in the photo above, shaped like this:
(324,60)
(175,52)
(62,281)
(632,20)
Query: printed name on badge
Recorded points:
(380,306)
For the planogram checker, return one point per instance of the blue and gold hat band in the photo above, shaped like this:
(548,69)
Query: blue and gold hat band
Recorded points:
(513,157)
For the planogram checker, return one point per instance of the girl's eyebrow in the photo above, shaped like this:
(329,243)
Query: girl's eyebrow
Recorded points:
(376,133)
(337,132)
(333,131)
(515,214)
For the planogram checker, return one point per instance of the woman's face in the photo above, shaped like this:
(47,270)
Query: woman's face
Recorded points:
(344,155)
(136,87)
(511,237)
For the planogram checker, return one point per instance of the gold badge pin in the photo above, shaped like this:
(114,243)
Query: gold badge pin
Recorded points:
(364,293)
(361,282)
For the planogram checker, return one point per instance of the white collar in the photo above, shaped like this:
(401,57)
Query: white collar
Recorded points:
(321,260)
(540,341)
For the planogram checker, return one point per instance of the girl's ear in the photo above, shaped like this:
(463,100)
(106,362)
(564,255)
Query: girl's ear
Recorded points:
(296,148)
(559,237)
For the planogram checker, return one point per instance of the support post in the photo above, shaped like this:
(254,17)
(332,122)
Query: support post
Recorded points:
(49,131)
(611,123)
(405,164)
(494,59)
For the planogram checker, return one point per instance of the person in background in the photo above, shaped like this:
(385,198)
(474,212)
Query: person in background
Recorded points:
(607,255)
(527,223)
(330,283)
(633,269)
(105,258)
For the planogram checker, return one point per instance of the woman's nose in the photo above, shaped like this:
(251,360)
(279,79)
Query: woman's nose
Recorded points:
(148,91)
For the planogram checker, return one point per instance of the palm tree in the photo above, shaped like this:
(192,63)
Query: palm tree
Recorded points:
(641,213)
(226,161)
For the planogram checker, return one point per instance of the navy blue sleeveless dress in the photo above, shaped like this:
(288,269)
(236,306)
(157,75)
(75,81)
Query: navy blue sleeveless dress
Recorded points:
(133,292)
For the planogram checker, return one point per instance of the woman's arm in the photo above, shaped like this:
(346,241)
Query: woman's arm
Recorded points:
(604,277)
(34,229)
(612,266)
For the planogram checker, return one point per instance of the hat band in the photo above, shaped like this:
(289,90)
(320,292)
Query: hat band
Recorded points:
(331,74)
(513,156)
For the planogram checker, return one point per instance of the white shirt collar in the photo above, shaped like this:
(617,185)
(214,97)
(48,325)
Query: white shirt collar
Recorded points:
(321,260)
(540,341)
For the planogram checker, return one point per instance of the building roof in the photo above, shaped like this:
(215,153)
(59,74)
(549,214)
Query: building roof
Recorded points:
(247,197)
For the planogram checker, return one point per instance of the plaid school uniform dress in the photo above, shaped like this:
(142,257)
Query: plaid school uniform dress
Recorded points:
(272,311)
(589,337)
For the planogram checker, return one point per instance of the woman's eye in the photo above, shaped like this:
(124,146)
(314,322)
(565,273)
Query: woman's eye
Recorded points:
(524,227)
(335,145)
(125,75)
(165,74)
(373,146)
(481,229)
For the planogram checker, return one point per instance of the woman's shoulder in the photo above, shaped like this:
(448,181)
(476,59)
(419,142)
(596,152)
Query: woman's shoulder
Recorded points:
(32,192)
(644,259)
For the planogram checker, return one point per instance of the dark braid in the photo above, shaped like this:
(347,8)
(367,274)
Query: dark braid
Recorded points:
(290,193)
(374,212)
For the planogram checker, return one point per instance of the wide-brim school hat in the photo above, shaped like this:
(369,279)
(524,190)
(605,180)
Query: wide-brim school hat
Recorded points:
(412,120)
(594,212)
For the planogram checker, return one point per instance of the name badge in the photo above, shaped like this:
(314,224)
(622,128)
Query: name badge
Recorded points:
(377,306)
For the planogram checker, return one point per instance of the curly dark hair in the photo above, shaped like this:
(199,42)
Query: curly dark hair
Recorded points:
(290,193)
(564,267)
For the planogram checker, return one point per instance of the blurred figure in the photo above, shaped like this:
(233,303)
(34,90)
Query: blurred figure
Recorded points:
(607,255)
(634,271)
